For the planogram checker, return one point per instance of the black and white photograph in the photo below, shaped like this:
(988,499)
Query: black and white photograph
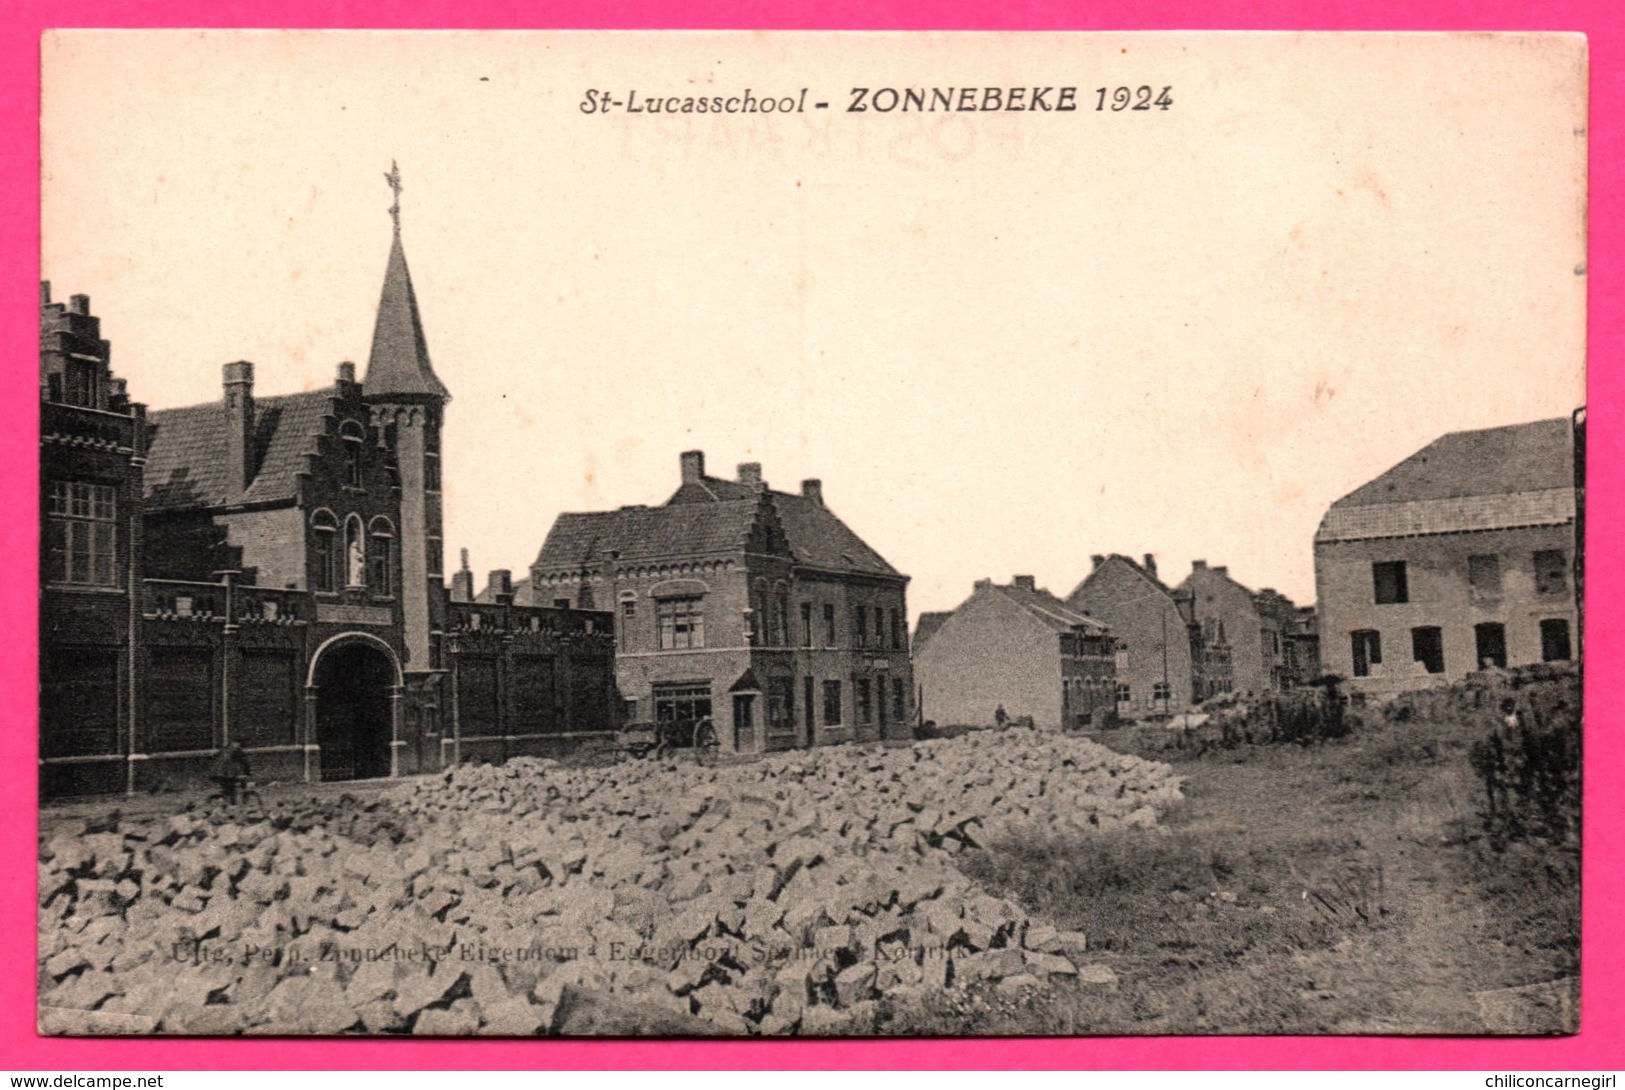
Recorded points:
(775,534)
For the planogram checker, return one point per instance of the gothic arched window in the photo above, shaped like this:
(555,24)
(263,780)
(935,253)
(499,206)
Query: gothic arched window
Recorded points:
(381,555)
(355,440)
(327,568)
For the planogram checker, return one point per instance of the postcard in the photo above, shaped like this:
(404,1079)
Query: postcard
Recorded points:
(811,534)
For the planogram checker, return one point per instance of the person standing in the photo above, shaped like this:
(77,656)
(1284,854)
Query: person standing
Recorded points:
(231,771)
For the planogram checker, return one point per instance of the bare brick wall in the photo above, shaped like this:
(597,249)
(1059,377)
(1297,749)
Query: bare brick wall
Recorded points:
(1151,628)
(991,653)
(1217,596)
(1440,594)
(270,544)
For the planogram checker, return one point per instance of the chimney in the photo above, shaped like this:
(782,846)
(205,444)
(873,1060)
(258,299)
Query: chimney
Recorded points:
(750,473)
(980,583)
(693,463)
(1198,565)
(347,372)
(500,584)
(79,304)
(1096,561)
(1151,564)
(813,489)
(462,582)
(238,380)
(44,293)
(1024,582)
(1221,569)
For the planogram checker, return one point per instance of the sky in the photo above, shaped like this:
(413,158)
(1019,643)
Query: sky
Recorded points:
(1004,341)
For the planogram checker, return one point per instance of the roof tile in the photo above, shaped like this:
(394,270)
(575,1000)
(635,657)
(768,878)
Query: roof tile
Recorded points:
(186,454)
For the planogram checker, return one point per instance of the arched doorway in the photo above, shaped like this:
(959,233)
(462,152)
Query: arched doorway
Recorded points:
(353,681)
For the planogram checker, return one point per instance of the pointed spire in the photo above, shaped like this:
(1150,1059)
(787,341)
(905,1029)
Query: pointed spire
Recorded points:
(399,365)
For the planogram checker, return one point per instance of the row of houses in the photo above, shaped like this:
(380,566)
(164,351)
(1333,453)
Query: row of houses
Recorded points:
(268,571)
(1463,557)
(1122,646)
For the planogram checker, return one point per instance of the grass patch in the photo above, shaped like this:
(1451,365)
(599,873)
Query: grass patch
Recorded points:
(1348,886)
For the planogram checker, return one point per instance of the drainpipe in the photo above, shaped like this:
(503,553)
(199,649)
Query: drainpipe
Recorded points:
(136,481)
(228,655)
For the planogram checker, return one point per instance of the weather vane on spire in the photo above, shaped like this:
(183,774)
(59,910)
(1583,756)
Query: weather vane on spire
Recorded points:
(394,180)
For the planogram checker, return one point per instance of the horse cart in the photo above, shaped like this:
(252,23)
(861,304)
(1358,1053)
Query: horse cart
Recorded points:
(657,739)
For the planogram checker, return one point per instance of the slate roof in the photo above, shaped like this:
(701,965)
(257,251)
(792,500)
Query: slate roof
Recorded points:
(186,455)
(1517,458)
(1181,601)
(399,364)
(927,627)
(580,540)
(1047,608)
(1134,565)
(818,538)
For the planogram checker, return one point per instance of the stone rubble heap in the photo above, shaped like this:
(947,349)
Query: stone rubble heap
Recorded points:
(781,896)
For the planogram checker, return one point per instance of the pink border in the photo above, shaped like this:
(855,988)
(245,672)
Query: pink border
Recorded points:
(1604,975)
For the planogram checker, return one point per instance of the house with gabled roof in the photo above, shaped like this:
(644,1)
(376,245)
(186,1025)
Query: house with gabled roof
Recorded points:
(1017,647)
(757,609)
(1462,557)
(1258,626)
(1166,659)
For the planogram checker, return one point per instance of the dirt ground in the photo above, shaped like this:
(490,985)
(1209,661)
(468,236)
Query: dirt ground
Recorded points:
(1341,888)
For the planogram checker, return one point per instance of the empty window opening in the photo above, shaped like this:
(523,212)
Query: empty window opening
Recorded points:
(1427,648)
(1367,647)
(1484,575)
(1554,641)
(1491,638)
(1551,572)
(1390,582)
(832,703)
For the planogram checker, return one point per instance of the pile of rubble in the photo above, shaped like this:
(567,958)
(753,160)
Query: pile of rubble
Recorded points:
(782,896)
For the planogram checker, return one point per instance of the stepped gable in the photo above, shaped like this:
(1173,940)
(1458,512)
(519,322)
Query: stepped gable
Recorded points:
(818,538)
